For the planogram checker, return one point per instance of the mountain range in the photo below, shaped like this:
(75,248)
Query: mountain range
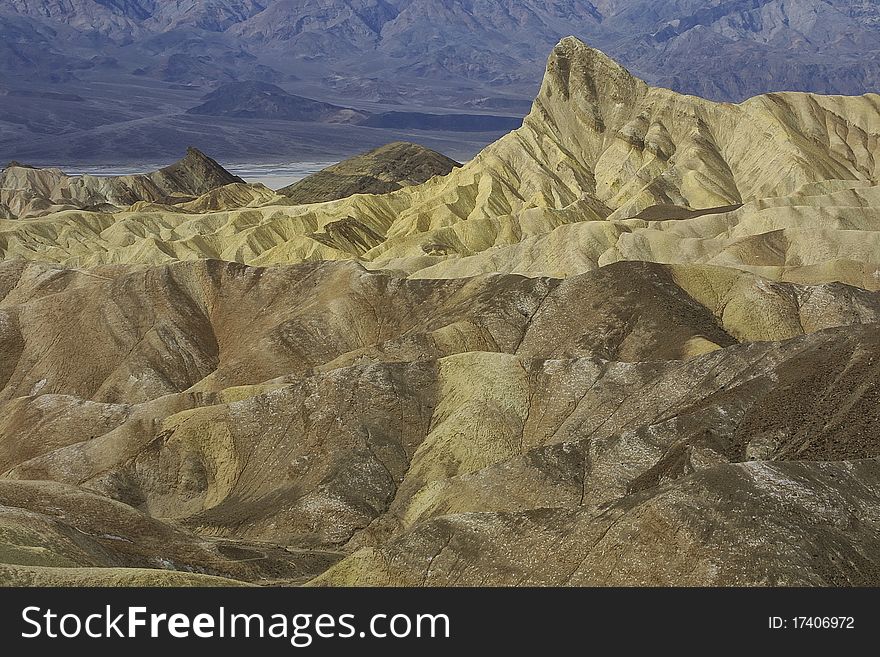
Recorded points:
(28,192)
(632,342)
(159,59)
(490,40)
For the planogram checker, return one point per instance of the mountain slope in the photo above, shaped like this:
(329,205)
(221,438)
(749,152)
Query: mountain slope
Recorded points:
(390,415)
(685,533)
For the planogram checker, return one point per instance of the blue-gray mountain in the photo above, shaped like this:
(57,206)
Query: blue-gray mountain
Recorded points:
(149,62)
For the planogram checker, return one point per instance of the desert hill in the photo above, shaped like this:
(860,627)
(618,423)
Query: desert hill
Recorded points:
(382,170)
(28,192)
(388,413)
(261,100)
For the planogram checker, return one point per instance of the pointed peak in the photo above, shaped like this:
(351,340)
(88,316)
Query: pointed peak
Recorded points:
(576,50)
(195,174)
(193,153)
(570,43)
(196,158)
(576,69)
(14,164)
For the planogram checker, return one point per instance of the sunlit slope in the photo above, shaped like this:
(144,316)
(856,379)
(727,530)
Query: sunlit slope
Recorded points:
(559,196)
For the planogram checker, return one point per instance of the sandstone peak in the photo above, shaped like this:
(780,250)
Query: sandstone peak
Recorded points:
(573,66)
(573,47)
(194,154)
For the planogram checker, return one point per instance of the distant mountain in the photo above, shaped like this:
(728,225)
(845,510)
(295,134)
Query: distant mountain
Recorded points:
(734,49)
(260,100)
(691,45)
(379,171)
(425,56)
